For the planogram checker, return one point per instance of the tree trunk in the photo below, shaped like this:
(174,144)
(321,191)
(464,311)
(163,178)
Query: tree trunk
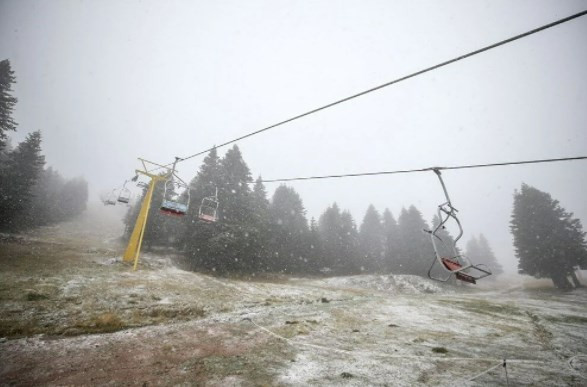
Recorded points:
(575,279)
(561,281)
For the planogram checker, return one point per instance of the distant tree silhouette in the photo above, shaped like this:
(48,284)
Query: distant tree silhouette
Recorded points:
(289,231)
(479,251)
(415,249)
(24,167)
(391,239)
(372,240)
(30,196)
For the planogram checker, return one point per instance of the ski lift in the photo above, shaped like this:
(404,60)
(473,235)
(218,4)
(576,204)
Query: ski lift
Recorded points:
(124,194)
(208,211)
(174,201)
(455,264)
(110,198)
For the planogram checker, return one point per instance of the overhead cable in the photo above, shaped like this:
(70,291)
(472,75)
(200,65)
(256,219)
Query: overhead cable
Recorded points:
(398,80)
(361,174)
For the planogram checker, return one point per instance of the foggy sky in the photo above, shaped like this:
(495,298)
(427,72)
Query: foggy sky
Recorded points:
(109,81)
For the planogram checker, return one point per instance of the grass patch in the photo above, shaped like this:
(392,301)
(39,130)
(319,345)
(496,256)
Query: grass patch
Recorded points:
(108,322)
(176,313)
(103,323)
(14,329)
(33,296)
(486,307)
(568,319)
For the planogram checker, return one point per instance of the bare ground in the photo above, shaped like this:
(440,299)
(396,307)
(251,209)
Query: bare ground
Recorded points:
(71,313)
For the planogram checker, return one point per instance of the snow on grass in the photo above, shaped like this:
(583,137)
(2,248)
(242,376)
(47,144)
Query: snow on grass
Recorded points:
(173,326)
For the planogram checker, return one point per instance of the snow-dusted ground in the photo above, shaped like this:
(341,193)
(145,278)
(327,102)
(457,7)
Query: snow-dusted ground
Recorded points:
(176,327)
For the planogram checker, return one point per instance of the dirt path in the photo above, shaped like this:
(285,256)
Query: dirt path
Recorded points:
(71,313)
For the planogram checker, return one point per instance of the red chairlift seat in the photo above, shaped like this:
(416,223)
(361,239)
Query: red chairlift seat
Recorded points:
(207,218)
(208,211)
(453,266)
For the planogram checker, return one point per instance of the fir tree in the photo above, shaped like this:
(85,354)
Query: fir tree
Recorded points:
(415,251)
(339,242)
(372,239)
(234,191)
(316,251)
(548,241)
(350,244)
(289,230)
(479,251)
(25,165)
(73,198)
(7,101)
(330,229)
(261,221)
(232,243)
(391,239)
(204,184)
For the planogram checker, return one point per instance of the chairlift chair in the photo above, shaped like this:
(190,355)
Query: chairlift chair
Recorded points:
(208,211)
(455,264)
(173,202)
(110,199)
(124,194)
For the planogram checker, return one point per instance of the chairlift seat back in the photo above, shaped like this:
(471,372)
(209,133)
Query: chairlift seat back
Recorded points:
(453,266)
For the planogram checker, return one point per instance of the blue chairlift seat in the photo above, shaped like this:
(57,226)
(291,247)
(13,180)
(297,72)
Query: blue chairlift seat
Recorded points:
(173,208)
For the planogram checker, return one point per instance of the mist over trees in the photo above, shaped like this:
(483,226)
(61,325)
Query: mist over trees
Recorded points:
(479,251)
(548,241)
(256,233)
(30,195)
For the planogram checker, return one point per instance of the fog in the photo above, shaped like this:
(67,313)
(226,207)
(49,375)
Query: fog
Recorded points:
(109,81)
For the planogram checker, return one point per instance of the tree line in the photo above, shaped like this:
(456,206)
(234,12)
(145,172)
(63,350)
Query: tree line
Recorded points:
(30,194)
(256,234)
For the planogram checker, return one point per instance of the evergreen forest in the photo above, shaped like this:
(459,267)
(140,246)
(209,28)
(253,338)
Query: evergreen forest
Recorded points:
(31,195)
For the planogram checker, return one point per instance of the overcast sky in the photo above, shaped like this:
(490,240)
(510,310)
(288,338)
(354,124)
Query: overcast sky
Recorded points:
(109,81)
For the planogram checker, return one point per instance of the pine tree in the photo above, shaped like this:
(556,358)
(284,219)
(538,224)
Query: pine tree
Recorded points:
(73,198)
(372,239)
(232,243)
(350,262)
(479,251)
(548,241)
(47,193)
(391,239)
(339,242)
(7,101)
(261,221)
(234,191)
(289,231)
(25,165)
(204,184)
(316,250)
(330,230)
(415,251)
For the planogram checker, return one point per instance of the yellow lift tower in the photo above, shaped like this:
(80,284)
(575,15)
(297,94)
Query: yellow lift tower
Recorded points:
(136,239)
